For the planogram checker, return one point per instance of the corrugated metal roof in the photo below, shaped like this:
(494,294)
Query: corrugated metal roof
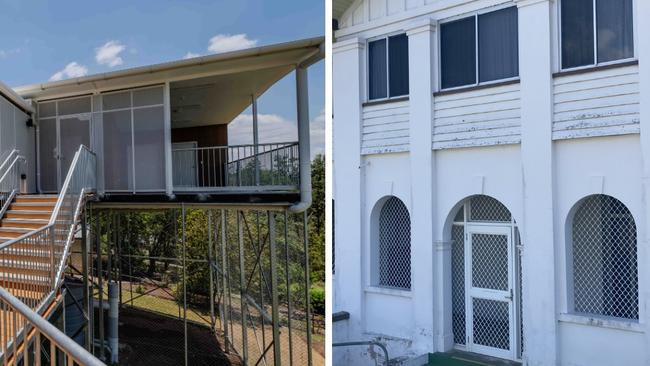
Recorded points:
(14,98)
(299,49)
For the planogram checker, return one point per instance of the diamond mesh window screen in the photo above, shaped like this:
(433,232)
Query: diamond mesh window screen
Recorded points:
(485,208)
(394,245)
(491,323)
(605,279)
(458,282)
(490,261)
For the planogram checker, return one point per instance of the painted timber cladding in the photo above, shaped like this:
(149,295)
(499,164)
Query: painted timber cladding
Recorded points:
(385,128)
(489,116)
(597,103)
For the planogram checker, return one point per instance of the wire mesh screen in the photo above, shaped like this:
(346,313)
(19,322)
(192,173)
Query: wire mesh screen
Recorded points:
(394,245)
(485,208)
(605,279)
(458,282)
(490,261)
(491,323)
(205,287)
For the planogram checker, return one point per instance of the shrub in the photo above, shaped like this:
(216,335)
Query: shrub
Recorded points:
(317,295)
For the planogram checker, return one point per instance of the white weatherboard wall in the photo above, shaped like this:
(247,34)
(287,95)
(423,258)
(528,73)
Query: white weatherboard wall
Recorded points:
(385,127)
(597,103)
(490,116)
(538,146)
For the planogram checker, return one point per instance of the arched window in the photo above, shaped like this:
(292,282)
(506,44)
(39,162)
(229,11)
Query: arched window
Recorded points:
(604,259)
(394,246)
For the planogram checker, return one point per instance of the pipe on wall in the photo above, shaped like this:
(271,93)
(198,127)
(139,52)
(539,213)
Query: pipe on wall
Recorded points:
(302,104)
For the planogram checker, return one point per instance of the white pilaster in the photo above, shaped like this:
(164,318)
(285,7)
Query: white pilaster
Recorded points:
(643,53)
(347,94)
(421,38)
(535,70)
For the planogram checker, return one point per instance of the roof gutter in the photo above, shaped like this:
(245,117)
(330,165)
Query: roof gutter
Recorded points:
(16,99)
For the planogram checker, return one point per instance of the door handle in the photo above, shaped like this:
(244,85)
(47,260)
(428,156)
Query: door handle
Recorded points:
(510,296)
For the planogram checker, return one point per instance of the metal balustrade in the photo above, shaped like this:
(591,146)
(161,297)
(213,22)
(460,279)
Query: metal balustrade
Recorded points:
(31,271)
(10,178)
(260,167)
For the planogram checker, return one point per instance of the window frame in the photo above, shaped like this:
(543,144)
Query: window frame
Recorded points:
(474,14)
(596,64)
(569,314)
(379,38)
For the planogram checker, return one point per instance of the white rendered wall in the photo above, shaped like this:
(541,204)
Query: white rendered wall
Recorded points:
(554,149)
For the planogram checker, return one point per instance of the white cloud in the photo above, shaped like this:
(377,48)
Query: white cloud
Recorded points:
(190,55)
(71,70)
(227,42)
(7,53)
(109,53)
(274,129)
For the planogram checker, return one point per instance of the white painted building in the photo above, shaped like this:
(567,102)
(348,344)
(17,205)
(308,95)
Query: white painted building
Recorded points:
(492,169)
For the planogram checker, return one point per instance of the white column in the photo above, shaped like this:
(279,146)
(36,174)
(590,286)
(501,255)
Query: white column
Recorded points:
(421,35)
(643,53)
(535,70)
(347,94)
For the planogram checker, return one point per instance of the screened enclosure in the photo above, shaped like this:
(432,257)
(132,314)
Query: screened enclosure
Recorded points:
(125,128)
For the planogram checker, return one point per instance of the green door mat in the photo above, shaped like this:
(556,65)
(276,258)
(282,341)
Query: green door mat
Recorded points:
(461,359)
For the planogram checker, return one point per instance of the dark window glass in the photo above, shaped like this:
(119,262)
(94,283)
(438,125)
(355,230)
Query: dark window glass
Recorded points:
(377,69)
(614,30)
(458,52)
(398,64)
(498,45)
(577,33)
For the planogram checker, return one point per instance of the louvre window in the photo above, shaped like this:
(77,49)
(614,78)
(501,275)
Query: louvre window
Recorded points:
(394,246)
(596,31)
(479,49)
(388,69)
(604,259)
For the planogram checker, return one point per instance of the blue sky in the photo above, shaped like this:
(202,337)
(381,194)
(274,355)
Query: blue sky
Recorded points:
(46,40)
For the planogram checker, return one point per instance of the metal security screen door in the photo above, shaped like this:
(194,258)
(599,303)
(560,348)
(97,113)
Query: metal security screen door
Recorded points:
(59,140)
(490,282)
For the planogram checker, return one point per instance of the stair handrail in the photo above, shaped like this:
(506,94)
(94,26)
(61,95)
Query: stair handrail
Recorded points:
(80,180)
(66,344)
(58,235)
(10,180)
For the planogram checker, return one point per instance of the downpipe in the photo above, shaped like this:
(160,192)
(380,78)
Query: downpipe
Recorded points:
(302,103)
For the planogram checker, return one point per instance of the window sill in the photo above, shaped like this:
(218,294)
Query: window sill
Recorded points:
(588,69)
(602,322)
(385,101)
(464,89)
(388,291)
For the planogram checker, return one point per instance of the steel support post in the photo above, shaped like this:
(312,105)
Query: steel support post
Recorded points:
(184,282)
(307,286)
(277,352)
(84,269)
(288,283)
(211,270)
(224,271)
(100,275)
(242,290)
(256,140)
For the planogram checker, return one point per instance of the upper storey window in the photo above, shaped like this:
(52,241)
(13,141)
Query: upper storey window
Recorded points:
(388,67)
(595,31)
(480,48)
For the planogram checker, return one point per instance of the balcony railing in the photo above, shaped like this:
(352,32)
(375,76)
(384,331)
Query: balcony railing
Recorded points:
(239,167)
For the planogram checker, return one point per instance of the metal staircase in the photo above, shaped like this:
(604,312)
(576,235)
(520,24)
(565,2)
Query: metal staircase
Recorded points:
(36,233)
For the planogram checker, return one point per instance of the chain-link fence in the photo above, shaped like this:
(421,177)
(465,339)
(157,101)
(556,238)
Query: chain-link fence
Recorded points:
(184,297)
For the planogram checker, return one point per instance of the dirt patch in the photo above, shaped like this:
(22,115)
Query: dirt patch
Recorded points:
(151,339)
